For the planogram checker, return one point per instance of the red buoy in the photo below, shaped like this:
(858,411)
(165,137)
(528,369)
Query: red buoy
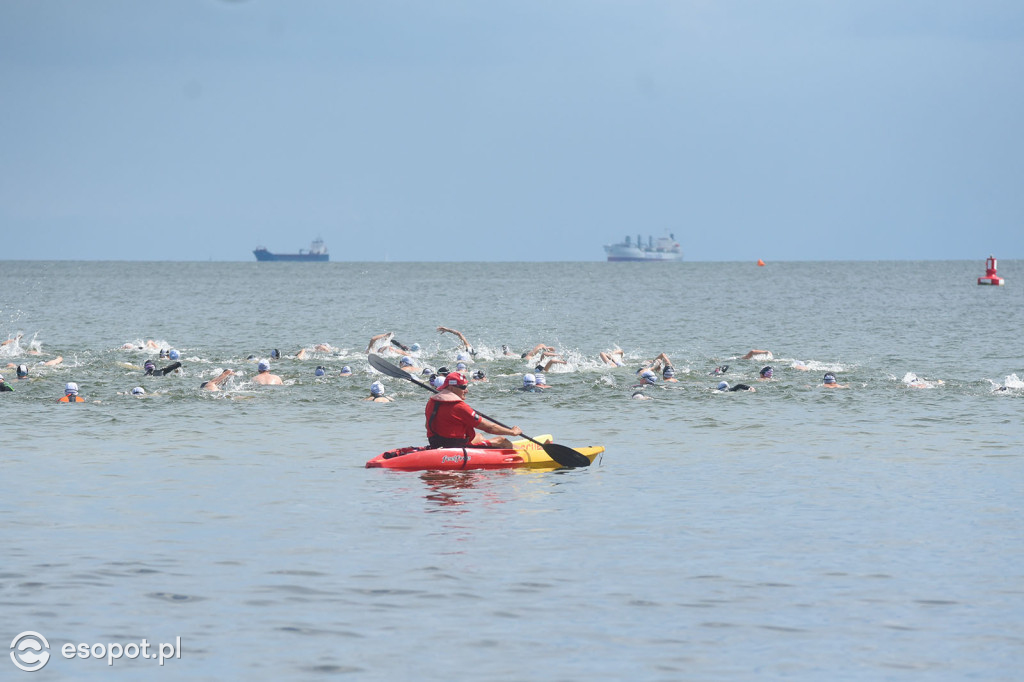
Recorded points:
(990,273)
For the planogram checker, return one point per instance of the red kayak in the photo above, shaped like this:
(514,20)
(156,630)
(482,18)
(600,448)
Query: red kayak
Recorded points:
(446,459)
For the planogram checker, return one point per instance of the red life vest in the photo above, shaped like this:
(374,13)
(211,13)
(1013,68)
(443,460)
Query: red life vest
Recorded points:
(450,419)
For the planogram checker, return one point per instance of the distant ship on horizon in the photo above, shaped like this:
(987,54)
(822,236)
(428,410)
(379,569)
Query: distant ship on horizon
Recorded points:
(664,249)
(317,253)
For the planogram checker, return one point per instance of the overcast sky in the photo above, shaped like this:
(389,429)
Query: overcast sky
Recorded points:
(512,131)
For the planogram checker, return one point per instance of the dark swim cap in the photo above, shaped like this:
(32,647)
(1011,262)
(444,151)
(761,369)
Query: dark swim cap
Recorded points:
(443,371)
(275,354)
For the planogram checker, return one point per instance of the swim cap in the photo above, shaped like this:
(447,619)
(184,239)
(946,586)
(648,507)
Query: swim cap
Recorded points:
(460,367)
(71,388)
(723,385)
(22,371)
(529,380)
(540,379)
(443,371)
(766,372)
(263,366)
(462,356)
(320,371)
(830,378)
(406,360)
(149,366)
(1,377)
(437,381)
(648,376)
(668,372)
(173,354)
(377,388)
(427,371)
(456,379)
(275,354)
(346,370)
(414,347)
(138,390)
(479,374)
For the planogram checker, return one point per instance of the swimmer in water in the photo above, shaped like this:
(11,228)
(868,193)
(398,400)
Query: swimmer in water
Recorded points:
(766,373)
(724,387)
(759,354)
(668,374)
(215,384)
(4,388)
(71,394)
(151,369)
(718,371)
(647,377)
(407,364)
(530,384)
(264,377)
(829,381)
(614,358)
(544,350)
(462,337)
(377,394)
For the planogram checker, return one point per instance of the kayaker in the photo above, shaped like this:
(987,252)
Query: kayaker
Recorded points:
(71,394)
(264,377)
(452,423)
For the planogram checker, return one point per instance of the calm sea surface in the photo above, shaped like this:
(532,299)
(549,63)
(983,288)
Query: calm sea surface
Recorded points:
(799,533)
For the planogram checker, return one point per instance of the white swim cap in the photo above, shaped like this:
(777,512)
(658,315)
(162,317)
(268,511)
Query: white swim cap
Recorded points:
(723,385)
(377,388)
(529,380)
(648,376)
(138,390)
(406,360)
(263,366)
(71,388)
(346,370)
(414,347)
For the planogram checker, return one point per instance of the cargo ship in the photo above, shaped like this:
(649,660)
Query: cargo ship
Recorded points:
(664,249)
(317,253)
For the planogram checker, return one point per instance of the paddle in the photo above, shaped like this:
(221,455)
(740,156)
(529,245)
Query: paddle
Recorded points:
(562,454)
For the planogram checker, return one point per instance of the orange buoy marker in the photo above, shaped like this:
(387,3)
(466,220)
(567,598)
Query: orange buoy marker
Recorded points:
(760,263)
(990,273)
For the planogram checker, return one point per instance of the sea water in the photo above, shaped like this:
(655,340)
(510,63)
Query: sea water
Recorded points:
(873,532)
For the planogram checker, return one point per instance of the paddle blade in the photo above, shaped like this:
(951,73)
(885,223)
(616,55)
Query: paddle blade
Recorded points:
(385,367)
(565,456)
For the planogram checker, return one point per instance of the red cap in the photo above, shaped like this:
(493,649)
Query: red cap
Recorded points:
(455,379)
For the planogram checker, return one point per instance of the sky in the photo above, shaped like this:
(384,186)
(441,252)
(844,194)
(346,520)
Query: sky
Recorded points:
(525,130)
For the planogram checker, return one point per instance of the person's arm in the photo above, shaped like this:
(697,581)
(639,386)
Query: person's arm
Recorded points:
(375,339)
(457,333)
(222,378)
(498,430)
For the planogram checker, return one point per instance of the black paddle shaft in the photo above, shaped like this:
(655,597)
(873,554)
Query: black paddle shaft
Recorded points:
(562,454)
